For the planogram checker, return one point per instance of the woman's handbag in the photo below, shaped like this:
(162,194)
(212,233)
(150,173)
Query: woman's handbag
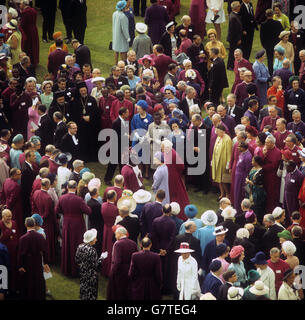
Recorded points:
(110,45)
(226,178)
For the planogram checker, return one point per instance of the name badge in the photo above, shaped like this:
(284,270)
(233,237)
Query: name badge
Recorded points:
(69,94)
(182,137)
(278,271)
(23,103)
(120,82)
(190,30)
(0,114)
(68,115)
(199,131)
(233,115)
(13,230)
(211,65)
(298,36)
(201,51)
(107,107)
(292,181)
(296,95)
(202,135)
(145,120)
(89,103)
(294,154)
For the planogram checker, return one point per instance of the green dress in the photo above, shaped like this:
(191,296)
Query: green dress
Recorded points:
(46,99)
(15,52)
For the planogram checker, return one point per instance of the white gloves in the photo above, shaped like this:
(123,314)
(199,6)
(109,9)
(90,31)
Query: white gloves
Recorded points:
(104,255)
(200,272)
(292,107)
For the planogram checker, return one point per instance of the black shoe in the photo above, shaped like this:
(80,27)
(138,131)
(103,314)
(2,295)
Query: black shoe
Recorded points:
(215,18)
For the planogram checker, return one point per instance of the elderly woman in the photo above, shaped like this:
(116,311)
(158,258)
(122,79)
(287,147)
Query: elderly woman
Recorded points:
(279,55)
(261,75)
(160,178)
(221,159)
(288,46)
(237,255)
(187,277)
(280,16)
(169,40)
(120,32)
(89,264)
(96,92)
(132,79)
(211,110)
(14,41)
(288,250)
(214,43)
(147,63)
(294,98)
(10,237)
(216,15)
(177,136)
(47,96)
(287,290)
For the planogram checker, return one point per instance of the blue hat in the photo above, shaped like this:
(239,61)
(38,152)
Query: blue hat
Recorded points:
(35,139)
(215,265)
(143,104)
(18,138)
(83,171)
(279,49)
(173,120)
(38,219)
(253,276)
(190,211)
(171,88)
(121,5)
(159,155)
(260,258)
(259,54)
(2,35)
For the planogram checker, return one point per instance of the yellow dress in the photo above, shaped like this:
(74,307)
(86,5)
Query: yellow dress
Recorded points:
(15,52)
(289,52)
(219,45)
(221,156)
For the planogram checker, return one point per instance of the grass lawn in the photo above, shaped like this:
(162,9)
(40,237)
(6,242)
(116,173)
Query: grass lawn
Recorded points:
(98,35)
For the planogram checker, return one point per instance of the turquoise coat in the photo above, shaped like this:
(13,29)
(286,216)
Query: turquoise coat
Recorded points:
(120,33)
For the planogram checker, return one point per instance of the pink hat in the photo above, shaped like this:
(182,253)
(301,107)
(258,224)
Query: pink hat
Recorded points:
(94,183)
(147,57)
(236,251)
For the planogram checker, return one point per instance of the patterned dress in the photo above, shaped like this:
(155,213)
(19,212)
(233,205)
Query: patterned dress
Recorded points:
(89,263)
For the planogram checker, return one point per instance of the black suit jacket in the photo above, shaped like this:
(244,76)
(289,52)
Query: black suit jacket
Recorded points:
(67,145)
(218,75)
(60,131)
(247,19)
(83,55)
(235,29)
(27,178)
(223,291)
(132,225)
(270,239)
(121,82)
(190,33)
(269,34)
(45,131)
(192,241)
(75,176)
(237,113)
(185,108)
(166,43)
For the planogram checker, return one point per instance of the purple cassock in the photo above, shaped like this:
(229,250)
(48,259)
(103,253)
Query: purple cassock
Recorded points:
(268,121)
(32,249)
(72,207)
(293,183)
(109,213)
(44,206)
(11,196)
(214,137)
(284,74)
(271,180)
(55,60)
(198,14)
(151,211)
(146,275)
(130,179)
(252,118)
(280,138)
(163,236)
(243,63)
(241,93)
(243,167)
(119,286)
(229,121)
(232,166)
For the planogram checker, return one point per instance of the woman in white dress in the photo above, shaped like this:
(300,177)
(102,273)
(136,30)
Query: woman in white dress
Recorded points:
(216,15)
(187,277)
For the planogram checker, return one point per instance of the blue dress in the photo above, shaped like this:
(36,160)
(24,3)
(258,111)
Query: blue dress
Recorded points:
(205,235)
(240,270)
(261,80)
(14,157)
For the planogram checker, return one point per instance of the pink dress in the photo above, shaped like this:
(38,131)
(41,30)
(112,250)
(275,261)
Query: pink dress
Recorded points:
(33,116)
(225,266)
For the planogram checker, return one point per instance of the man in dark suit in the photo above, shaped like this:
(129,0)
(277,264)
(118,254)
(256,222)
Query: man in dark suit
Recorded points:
(64,6)
(131,224)
(116,78)
(270,30)
(297,38)
(56,58)
(69,142)
(188,101)
(25,69)
(45,126)
(232,109)
(48,10)
(27,178)
(234,32)
(217,77)
(79,19)
(120,123)
(78,165)
(249,24)
(229,277)
(187,26)
(270,238)
(82,53)
(61,128)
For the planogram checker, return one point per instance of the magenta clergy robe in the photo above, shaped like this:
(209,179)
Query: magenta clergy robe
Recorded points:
(44,206)
(130,179)
(280,138)
(11,196)
(271,180)
(243,63)
(269,121)
(232,166)
(119,287)
(72,207)
(109,213)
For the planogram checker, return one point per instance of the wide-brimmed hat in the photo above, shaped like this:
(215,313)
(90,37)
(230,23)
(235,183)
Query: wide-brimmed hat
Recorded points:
(253,276)
(145,57)
(260,258)
(90,235)
(96,79)
(175,208)
(207,296)
(130,202)
(142,196)
(283,34)
(184,248)
(235,293)
(3,147)
(287,274)
(63,158)
(12,24)
(141,27)
(220,230)
(209,218)
(259,289)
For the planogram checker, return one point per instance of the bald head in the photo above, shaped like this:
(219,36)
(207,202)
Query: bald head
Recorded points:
(190,227)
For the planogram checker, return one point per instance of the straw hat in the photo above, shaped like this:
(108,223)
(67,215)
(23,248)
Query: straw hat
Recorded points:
(142,196)
(184,248)
(235,293)
(259,289)
(129,202)
(283,34)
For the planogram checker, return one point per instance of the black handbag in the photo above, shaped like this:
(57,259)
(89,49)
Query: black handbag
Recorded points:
(110,45)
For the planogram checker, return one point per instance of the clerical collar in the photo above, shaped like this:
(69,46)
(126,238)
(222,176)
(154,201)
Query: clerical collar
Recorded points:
(29,164)
(59,122)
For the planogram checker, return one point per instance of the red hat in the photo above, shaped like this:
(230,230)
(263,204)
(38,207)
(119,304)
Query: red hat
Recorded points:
(287,154)
(158,107)
(252,130)
(236,251)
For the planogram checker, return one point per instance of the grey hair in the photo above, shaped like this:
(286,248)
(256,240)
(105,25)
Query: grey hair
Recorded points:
(224,199)
(189,89)
(182,84)
(43,172)
(118,179)
(216,115)
(296,112)
(231,95)
(45,182)
(195,109)
(249,227)
(121,230)
(274,250)
(68,57)
(238,50)
(269,218)
(239,128)
(50,148)
(72,184)
(246,203)
(29,222)
(196,117)
(271,139)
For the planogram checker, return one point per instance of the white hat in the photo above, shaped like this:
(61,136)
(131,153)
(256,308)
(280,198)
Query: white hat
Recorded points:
(171,23)
(175,208)
(96,79)
(207,296)
(242,233)
(209,218)
(90,235)
(13,12)
(228,212)
(186,61)
(184,248)
(289,248)
(235,293)
(190,74)
(12,24)
(3,147)
(142,196)
(141,27)
(220,230)
(129,202)
(259,289)
(277,212)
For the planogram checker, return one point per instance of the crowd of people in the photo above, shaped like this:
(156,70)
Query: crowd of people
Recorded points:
(166,96)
